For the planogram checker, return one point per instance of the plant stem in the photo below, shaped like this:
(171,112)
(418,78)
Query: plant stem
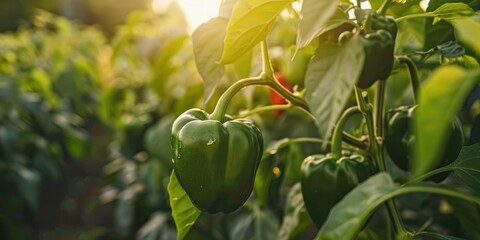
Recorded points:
(227,96)
(352,140)
(366,110)
(376,148)
(383,9)
(427,14)
(438,190)
(266,64)
(264,109)
(429,174)
(337,133)
(412,71)
(266,78)
(379,108)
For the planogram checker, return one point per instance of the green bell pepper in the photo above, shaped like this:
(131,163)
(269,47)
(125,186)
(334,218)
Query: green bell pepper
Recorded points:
(378,65)
(326,180)
(399,140)
(387,23)
(215,161)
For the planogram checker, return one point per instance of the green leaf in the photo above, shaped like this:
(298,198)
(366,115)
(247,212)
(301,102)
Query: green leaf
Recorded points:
(250,24)
(440,98)
(207,48)
(184,213)
(350,214)
(296,219)
(262,224)
(467,31)
(315,14)
(466,168)
(330,78)
(449,9)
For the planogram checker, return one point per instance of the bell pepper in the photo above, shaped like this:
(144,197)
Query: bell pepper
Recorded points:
(378,65)
(326,180)
(399,140)
(215,161)
(387,23)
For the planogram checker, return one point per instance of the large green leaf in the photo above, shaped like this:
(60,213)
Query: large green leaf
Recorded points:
(250,24)
(466,168)
(207,48)
(350,214)
(330,78)
(315,13)
(440,98)
(184,213)
(467,31)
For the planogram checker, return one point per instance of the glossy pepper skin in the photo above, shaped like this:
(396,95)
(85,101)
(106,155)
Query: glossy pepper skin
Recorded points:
(215,161)
(399,140)
(326,180)
(378,65)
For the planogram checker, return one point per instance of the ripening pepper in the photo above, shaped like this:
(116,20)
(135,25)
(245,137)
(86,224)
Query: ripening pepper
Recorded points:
(215,161)
(326,180)
(378,65)
(399,140)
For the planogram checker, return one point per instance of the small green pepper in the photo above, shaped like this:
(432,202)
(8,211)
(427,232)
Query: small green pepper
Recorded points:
(326,180)
(378,65)
(215,161)
(399,140)
(383,22)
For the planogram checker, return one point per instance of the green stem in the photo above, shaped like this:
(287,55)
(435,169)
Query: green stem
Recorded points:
(376,148)
(266,78)
(366,110)
(337,133)
(267,66)
(412,71)
(352,140)
(264,109)
(379,108)
(429,174)
(427,14)
(383,9)
(222,103)
(437,190)
(307,139)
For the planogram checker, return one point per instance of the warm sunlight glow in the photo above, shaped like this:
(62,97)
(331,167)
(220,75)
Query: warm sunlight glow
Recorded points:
(196,11)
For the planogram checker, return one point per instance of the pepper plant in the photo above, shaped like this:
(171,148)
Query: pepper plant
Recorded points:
(352,61)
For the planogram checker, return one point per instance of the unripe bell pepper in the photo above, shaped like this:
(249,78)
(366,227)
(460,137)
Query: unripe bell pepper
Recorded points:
(383,22)
(326,180)
(215,161)
(399,140)
(378,65)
